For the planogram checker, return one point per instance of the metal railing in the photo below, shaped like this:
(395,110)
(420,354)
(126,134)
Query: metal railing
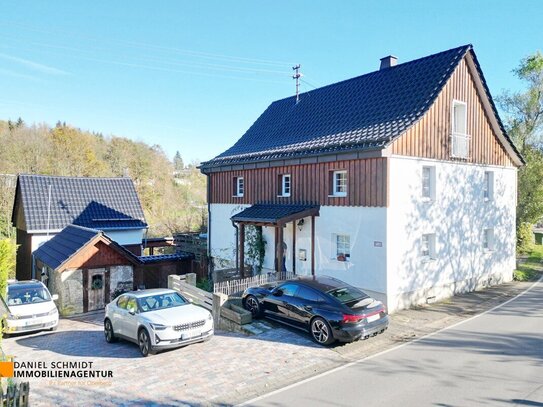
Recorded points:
(460,145)
(240,285)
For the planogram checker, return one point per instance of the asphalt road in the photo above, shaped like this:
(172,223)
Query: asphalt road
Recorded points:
(494,359)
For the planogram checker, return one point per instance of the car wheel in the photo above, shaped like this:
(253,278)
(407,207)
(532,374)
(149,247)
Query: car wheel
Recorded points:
(108,332)
(144,342)
(321,331)
(252,305)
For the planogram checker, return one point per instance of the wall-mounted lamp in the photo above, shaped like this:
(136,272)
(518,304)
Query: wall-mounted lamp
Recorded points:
(301,223)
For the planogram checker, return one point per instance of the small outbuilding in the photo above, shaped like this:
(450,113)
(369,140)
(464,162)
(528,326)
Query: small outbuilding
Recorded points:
(84,267)
(87,269)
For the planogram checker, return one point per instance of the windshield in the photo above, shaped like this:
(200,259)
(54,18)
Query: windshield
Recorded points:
(160,301)
(347,294)
(21,295)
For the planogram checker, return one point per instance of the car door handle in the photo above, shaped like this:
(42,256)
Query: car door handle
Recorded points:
(308,308)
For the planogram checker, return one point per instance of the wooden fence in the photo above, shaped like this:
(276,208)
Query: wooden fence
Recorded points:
(240,285)
(16,395)
(186,285)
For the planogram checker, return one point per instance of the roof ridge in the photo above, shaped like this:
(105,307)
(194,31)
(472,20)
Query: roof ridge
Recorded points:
(466,46)
(70,176)
(96,231)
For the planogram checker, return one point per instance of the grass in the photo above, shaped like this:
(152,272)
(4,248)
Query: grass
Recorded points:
(532,267)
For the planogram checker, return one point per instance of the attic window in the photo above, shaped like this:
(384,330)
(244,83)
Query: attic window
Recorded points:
(284,185)
(460,140)
(338,183)
(239,186)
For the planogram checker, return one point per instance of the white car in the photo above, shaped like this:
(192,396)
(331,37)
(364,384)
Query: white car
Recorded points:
(30,308)
(156,319)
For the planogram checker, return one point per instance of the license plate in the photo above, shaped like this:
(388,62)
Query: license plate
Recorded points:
(191,334)
(33,321)
(373,317)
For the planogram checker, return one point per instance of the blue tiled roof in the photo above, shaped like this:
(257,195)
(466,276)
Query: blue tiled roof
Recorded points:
(165,257)
(99,203)
(64,245)
(366,112)
(271,213)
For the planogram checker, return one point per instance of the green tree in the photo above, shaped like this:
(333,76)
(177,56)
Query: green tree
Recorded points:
(7,263)
(178,163)
(524,123)
(524,110)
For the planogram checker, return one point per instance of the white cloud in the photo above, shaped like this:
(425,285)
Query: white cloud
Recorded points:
(34,65)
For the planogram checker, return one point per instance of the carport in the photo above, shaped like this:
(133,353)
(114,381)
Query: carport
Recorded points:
(276,216)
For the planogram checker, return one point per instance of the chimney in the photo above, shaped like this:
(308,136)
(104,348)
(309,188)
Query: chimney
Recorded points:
(388,62)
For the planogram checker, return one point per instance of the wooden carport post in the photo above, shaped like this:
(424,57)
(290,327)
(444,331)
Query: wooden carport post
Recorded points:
(241,249)
(279,247)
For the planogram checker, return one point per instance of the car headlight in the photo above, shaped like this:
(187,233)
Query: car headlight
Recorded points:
(11,316)
(53,312)
(158,327)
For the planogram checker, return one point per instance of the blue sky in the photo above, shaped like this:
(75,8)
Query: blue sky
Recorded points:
(193,76)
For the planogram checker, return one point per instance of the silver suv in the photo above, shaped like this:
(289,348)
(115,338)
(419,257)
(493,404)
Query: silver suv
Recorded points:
(156,319)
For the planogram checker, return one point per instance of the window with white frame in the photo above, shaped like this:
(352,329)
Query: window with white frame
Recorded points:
(428,182)
(342,247)
(428,246)
(488,239)
(459,137)
(285,185)
(239,186)
(339,183)
(488,186)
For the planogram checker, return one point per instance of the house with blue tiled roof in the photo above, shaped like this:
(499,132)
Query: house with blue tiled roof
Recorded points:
(401,182)
(44,205)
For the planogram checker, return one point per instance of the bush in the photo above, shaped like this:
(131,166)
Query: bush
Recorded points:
(525,238)
(8,249)
(205,285)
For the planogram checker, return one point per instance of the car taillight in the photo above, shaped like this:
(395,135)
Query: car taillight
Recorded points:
(352,319)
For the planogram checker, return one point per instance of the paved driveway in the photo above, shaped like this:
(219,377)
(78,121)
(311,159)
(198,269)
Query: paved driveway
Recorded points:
(213,372)
(228,369)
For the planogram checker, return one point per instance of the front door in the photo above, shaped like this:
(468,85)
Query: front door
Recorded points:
(96,289)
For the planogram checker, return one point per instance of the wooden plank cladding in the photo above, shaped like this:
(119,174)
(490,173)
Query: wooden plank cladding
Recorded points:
(310,183)
(430,136)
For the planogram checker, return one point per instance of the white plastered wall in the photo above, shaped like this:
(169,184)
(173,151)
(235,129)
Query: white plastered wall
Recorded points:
(366,228)
(458,216)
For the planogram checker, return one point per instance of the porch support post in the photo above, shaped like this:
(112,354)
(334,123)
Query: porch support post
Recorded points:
(313,245)
(279,248)
(294,246)
(241,249)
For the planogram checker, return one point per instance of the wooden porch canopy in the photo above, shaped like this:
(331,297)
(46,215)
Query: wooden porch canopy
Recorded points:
(276,216)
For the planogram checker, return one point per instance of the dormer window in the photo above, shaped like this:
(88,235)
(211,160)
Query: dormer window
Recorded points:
(239,186)
(459,137)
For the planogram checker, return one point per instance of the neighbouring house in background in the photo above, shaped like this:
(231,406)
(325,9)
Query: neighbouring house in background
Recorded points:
(44,205)
(86,268)
(401,182)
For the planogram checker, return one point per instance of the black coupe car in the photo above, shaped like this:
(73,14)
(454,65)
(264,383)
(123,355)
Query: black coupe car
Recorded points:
(326,307)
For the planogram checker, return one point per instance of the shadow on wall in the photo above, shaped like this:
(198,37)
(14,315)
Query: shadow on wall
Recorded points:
(458,217)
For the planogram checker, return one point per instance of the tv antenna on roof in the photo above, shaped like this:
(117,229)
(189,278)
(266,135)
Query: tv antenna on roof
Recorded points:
(297,76)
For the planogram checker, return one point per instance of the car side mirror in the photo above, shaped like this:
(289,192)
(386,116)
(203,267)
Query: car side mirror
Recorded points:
(191,300)
(54,297)
(278,293)
(131,311)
